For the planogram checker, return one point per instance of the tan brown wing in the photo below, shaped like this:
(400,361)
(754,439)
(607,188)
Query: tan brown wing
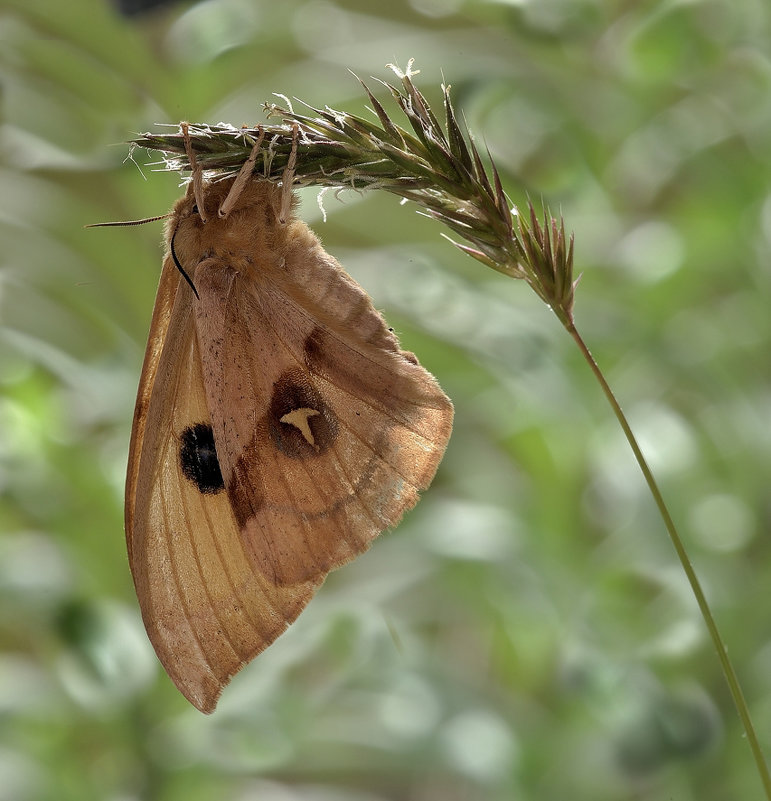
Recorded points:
(325,430)
(206,610)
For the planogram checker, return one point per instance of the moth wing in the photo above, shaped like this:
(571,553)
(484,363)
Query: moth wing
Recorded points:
(325,429)
(206,610)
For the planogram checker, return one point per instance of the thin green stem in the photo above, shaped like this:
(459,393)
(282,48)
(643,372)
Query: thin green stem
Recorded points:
(701,600)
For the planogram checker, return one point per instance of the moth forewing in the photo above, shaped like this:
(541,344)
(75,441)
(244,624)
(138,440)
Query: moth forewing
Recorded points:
(325,429)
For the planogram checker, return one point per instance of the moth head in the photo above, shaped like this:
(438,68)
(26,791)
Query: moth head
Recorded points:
(253,210)
(230,196)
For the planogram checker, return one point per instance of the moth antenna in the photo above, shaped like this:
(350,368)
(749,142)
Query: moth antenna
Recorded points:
(197,171)
(244,174)
(180,267)
(128,222)
(288,178)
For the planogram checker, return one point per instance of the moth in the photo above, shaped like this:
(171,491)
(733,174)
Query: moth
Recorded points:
(278,429)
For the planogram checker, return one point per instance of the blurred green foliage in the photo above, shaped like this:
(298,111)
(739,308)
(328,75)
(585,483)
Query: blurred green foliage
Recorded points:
(526,633)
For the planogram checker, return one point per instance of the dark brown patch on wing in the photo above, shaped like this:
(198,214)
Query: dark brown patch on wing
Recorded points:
(244,489)
(293,392)
(314,351)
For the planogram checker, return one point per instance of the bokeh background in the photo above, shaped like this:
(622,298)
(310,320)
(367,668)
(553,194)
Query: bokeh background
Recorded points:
(526,633)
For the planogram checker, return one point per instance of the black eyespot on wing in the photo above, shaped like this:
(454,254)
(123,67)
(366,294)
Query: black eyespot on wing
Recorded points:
(198,459)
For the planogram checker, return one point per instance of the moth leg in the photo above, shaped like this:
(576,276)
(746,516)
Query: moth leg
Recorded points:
(197,171)
(288,178)
(244,174)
